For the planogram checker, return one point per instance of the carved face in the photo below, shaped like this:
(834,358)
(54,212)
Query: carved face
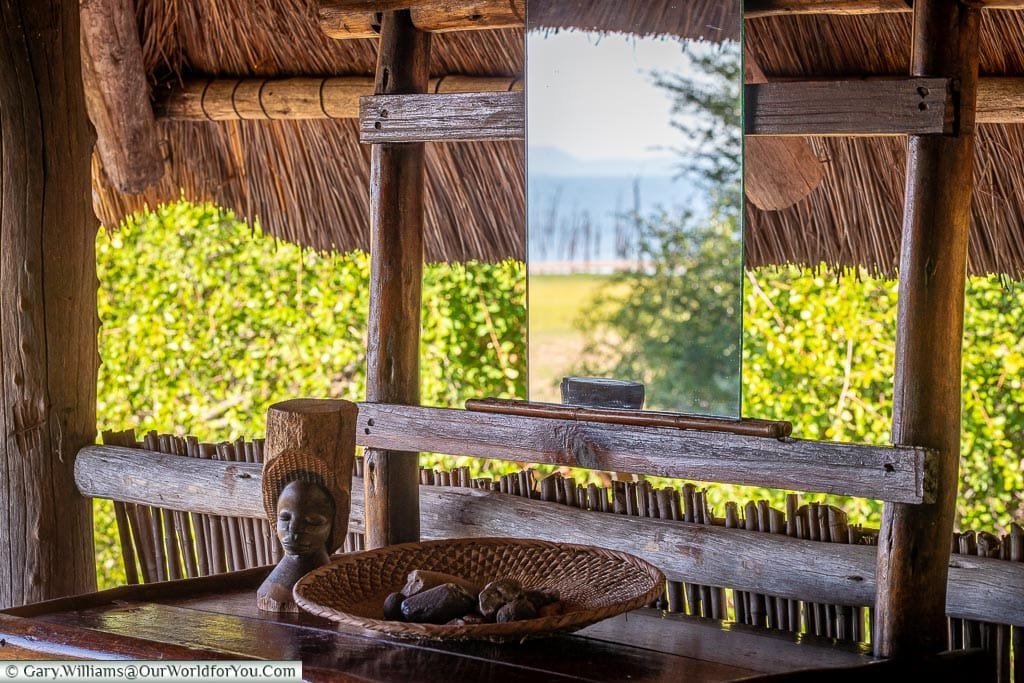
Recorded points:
(304,514)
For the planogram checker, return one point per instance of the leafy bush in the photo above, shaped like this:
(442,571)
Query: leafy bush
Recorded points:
(206,322)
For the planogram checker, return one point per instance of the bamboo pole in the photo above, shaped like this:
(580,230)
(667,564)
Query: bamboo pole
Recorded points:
(913,546)
(298,98)
(396,273)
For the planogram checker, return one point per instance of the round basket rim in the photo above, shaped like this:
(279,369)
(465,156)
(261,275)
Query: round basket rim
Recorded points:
(514,630)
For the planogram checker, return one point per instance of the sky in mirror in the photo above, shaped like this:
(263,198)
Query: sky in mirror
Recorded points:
(634,256)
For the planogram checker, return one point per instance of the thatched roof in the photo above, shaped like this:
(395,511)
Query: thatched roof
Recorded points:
(854,217)
(306,181)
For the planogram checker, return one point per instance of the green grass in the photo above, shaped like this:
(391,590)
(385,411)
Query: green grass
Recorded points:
(555,303)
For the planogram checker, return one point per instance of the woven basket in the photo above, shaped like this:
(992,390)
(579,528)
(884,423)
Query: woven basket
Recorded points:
(593,583)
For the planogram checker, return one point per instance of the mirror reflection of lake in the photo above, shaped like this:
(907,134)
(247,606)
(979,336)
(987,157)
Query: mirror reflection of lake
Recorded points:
(634,265)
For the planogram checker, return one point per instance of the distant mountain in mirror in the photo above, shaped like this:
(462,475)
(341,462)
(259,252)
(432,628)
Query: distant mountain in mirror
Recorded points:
(554,162)
(584,212)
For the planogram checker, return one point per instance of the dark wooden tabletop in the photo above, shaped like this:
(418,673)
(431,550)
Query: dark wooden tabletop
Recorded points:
(216,618)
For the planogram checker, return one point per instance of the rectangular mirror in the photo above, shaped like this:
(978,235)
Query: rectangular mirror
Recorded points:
(634,196)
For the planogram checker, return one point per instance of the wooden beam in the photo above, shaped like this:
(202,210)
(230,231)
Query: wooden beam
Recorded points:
(117,95)
(308,98)
(1000,100)
(303,98)
(442,118)
(48,324)
(980,588)
(754,9)
(848,469)
(898,106)
(345,19)
(396,275)
(914,539)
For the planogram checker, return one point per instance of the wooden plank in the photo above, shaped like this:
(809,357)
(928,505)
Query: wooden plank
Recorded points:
(396,275)
(879,106)
(754,9)
(914,541)
(345,19)
(242,629)
(442,117)
(117,95)
(48,323)
(766,650)
(1000,100)
(849,469)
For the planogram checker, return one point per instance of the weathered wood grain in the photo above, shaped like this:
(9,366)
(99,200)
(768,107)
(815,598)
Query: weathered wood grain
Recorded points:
(117,95)
(442,117)
(777,171)
(48,324)
(396,278)
(914,540)
(1000,100)
(880,106)
(766,8)
(343,19)
(302,98)
(834,573)
(652,418)
(850,469)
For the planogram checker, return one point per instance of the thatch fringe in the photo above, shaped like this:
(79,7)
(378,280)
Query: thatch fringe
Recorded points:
(307,181)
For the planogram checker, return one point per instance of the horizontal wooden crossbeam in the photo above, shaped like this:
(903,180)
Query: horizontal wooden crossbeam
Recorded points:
(880,472)
(903,106)
(1000,100)
(301,98)
(346,19)
(754,9)
(834,573)
(442,118)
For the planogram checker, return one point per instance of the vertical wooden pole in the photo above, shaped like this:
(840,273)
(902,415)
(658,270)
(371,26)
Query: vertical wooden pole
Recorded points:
(48,323)
(913,548)
(396,271)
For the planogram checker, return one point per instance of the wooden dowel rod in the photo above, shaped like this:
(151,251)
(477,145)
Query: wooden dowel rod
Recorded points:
(913,543)
(396,274)
(746,426)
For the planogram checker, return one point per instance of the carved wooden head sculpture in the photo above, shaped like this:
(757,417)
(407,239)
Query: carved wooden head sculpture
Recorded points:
(305,503)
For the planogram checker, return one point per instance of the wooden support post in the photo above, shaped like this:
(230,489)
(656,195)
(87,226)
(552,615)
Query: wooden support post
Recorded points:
(913,546)
(48,356)
(396,271)
(117,95)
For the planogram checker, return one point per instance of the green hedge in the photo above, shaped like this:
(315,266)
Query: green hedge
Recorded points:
(205,322)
